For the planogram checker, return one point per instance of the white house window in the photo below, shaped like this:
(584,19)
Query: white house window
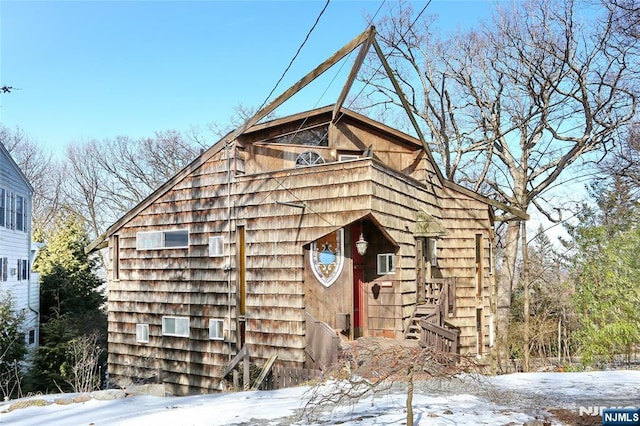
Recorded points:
(386,263)
(153,240)
(216,246)
(142,333)
(21,210)
(216,329)
(4,268)
(23,269)
(309,158)
(347,157)
(175,326)
(2,206)
(10,210)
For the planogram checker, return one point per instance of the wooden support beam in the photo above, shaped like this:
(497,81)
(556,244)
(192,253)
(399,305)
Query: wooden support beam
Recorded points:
(364,49)
(265,370)
(400,93)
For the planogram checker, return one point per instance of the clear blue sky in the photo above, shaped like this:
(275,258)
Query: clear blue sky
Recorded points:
(98,69)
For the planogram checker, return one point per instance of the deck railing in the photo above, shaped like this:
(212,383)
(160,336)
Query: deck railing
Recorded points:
(439,338)
(439,292)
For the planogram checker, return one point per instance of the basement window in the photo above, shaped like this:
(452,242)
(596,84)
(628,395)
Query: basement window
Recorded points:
(175,326)
(142,333)
(154,240)
(216,329)
(386,263)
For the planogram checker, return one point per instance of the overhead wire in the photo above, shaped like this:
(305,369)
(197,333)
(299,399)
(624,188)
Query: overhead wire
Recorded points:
(280,182)
(296,55)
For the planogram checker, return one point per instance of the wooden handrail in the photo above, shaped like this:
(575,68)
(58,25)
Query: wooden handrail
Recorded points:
(440,338)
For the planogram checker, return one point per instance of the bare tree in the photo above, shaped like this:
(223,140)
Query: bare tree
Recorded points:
(512,105)
(104,179)
(370,366)
(39,169)
(84,363)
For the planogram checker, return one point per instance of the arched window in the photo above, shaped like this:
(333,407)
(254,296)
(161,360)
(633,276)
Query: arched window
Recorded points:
(309,158)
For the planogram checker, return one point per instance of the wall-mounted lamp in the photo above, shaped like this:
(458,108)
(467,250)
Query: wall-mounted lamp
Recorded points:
(361,245)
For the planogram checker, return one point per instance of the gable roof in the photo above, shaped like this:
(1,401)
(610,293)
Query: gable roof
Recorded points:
(364,41)
(11,162)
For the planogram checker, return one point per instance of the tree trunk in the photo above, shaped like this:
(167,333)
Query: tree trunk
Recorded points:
(527,298)
(504,287)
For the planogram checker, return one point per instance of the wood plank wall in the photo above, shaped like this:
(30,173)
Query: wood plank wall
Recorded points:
(187,282)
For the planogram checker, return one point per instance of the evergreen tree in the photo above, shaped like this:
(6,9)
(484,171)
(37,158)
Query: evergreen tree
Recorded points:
(71,303)
(606,272)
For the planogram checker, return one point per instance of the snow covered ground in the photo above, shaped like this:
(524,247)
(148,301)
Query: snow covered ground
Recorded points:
(467,400)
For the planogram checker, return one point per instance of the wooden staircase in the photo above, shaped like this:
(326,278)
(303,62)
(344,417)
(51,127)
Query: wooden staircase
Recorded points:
(428,323)
(429,313)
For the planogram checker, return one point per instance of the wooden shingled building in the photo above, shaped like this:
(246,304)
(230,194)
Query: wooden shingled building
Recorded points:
(288,233)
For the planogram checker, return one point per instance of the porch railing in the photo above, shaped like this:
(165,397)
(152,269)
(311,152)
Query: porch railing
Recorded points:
(439,293)
(439,338)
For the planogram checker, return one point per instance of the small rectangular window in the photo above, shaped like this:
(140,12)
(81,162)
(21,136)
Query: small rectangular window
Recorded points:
(2,206)
(216,246)
(31,337)
(175,326)
(386,263)
(216,329)
(347,157)
(153,240)
(142,333)
(175,239)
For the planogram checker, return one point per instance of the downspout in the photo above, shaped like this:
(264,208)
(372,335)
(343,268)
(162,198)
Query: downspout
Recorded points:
(36,312)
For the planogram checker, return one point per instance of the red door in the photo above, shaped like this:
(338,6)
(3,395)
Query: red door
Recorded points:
(358,285)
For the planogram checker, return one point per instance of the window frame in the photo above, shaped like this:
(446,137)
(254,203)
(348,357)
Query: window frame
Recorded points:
(31,337)
(161,237)
(175,332)
(10,210)
(306,156)
(216,246)
(20,212)
(4,268)
(348,157)
(389,262)
(3,204)
(142,333)
(219,324)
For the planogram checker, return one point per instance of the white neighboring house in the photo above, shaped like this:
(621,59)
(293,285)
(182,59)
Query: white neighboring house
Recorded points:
(17,253)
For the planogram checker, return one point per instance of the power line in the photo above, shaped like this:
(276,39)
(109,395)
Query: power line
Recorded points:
(295,56)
